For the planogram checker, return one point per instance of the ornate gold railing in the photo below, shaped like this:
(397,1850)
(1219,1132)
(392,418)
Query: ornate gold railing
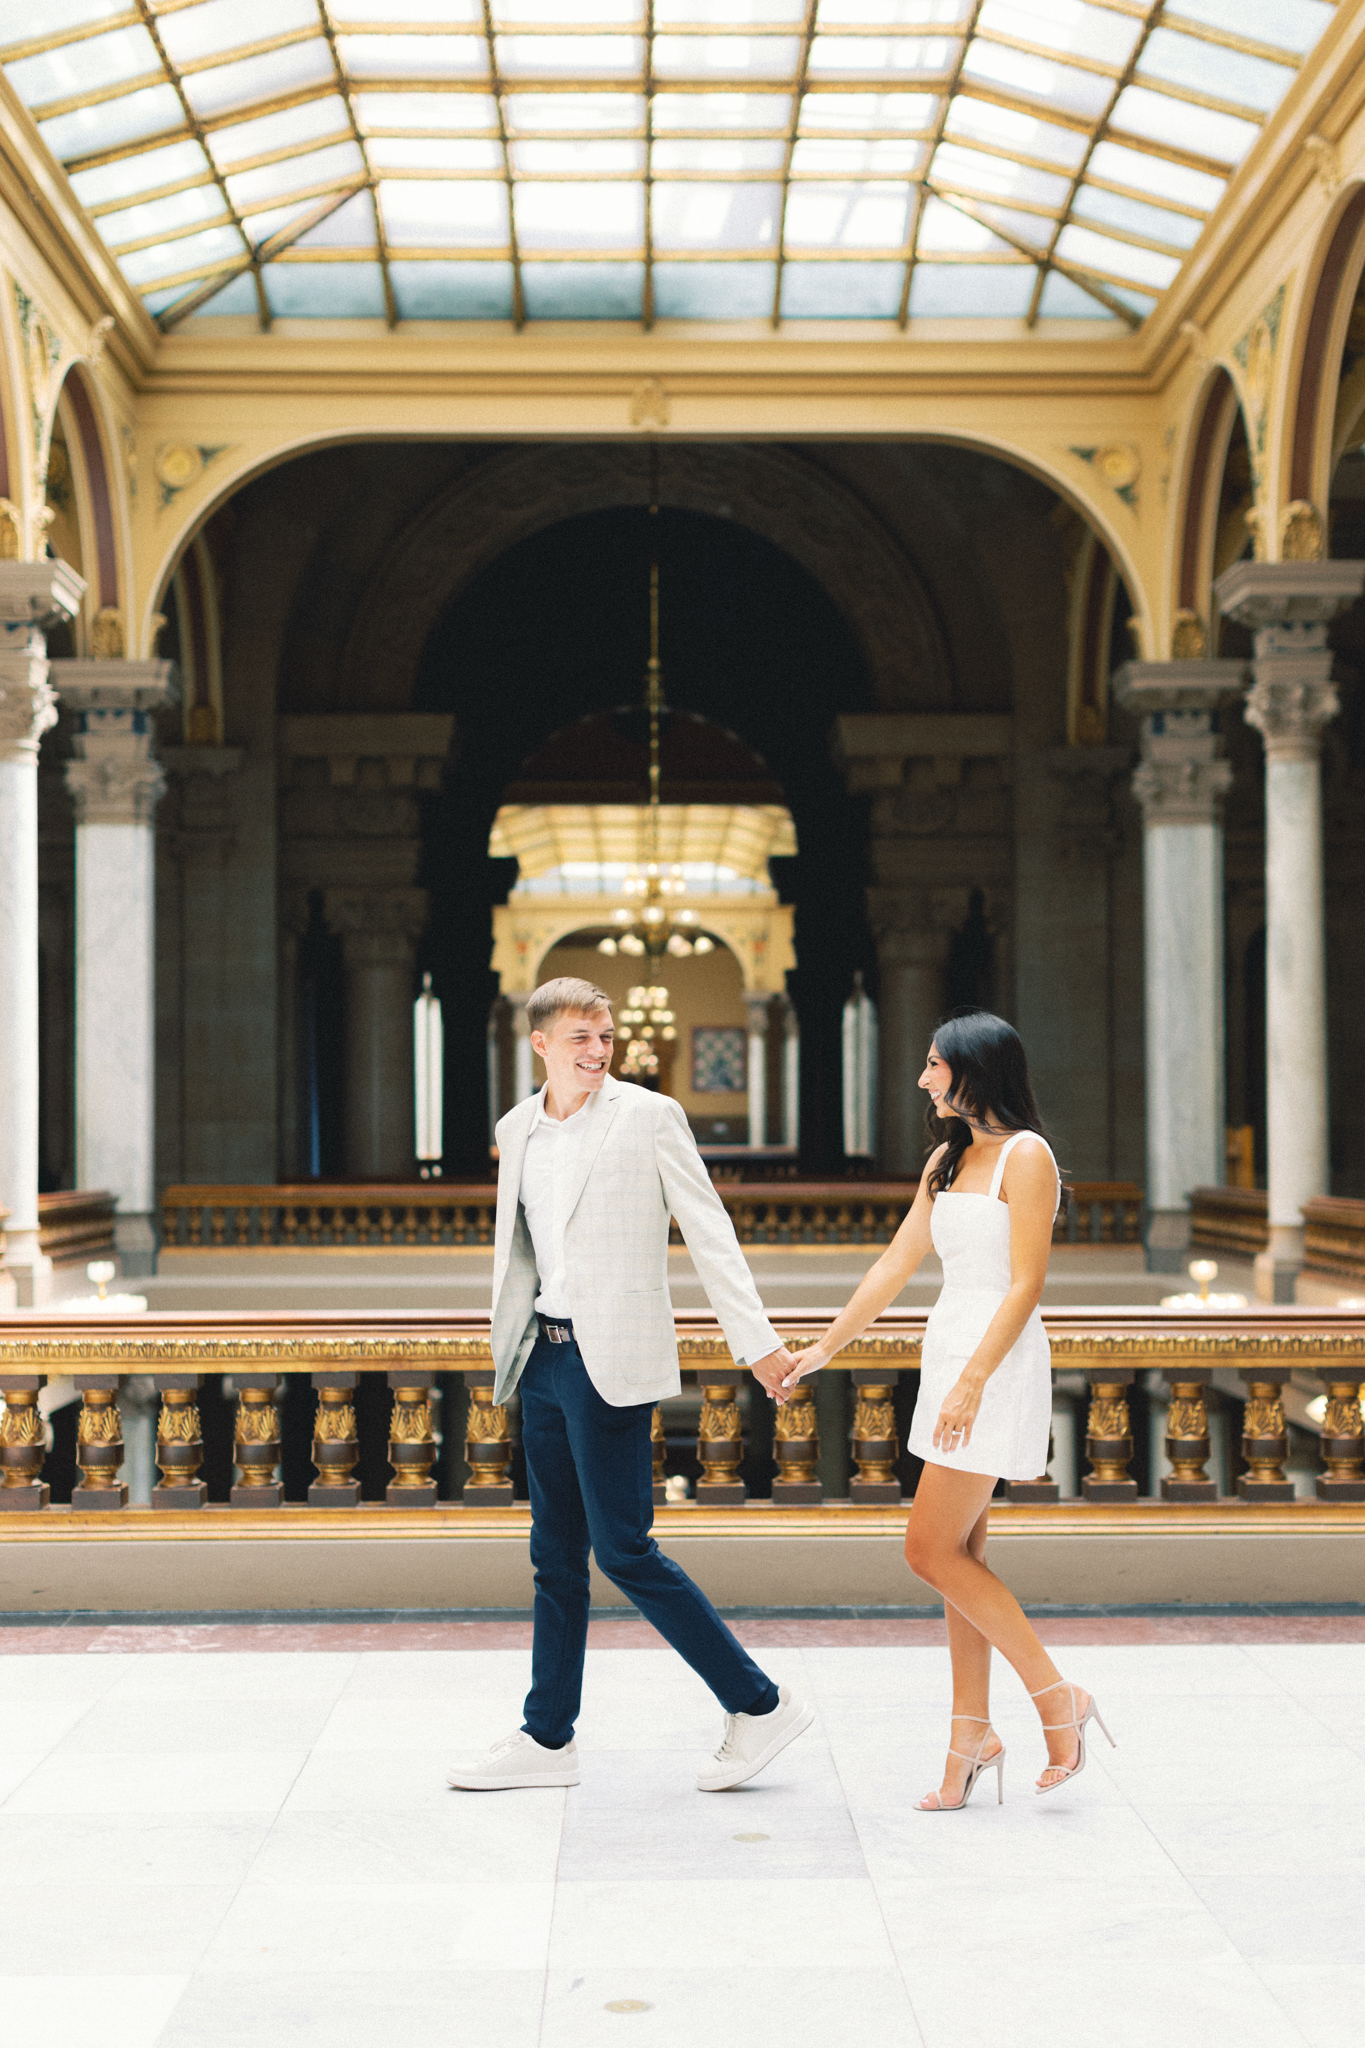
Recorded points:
(1110,1348)
(76,1223)
(1236,1221)
(317,1217)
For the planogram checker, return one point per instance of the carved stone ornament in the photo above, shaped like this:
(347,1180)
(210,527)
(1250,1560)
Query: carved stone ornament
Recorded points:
(1326,160)
(650,405)
(106,634)
(1189,638)
(1181,792)
(1301,537)
(1290,716)
(28,705)
(115,789)
(11,531)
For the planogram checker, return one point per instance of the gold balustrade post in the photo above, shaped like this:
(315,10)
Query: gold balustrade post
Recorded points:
(1043,1491)
(256,1442)
(487,1447)
(412,1440)
(1265,1435)
(336,1442)
(1109,1435)
(720,1440)
(22,1444)
(875,1446)
(1343,1435)
(658,1446)
(99,1444)
(796,1442)
(1187,1434)
(179,1445)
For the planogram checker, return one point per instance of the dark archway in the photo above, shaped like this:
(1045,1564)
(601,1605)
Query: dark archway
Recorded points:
(556,630)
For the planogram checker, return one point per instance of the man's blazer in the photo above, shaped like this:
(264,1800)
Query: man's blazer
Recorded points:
(637,1164)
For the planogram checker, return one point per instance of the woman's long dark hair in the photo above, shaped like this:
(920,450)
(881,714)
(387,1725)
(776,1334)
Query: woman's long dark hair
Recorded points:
(985,1056)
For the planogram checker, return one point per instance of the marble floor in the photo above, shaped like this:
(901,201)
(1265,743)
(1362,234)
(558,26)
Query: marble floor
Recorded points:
(209,1839)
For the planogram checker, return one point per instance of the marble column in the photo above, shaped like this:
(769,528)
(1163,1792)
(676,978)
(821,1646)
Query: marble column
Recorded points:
(1288,607)
(32,596)
(115,786)
(379,931)
(791,1076)
(912,978)
(524,1080)
(1180,784)
(757,1007)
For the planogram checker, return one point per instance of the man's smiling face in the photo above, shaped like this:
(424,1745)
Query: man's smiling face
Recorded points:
(577,1054)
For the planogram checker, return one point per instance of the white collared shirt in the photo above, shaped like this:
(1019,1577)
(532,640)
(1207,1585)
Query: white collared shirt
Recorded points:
(547,1176)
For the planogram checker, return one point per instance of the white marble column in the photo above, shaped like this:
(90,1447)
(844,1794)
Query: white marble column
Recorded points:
(115,786)
(32,596)
(1288,606)
(379,931)
(912,976)
(1180,783)
(791,1077)
(757,1007)
(524,1081)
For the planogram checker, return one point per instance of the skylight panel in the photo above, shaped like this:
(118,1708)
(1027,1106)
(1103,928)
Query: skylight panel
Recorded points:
(718,158)
(1208,68)
(1009,129)
(1040,78)
(742,13)
(1220,136)
(829,156)
(905,55)
(293,127)
(436,112)
(568,215)
(258,78)
(1111,209)
(971,291)
(237,296)
(440,13)
(726,56)
(163,216)
(841,291)
(349,226)
(584,291)
(1067,26)
(945,230)
(435,153)
(413,56)
(577,159)
(294,173)
(58,15)
(444,290)
(72,68)
(1063,299)
(714,291)
(1157,175)
(1091,251)
(893,13)
(996,177)
(862,216)
(128,176)
(459,215)
(214,26)
(1293,24)
(871,112)
(528,112)
(220,245)
(527,56)
(88,130)
(324,291)
(716,216)
(565,13)
(721,110)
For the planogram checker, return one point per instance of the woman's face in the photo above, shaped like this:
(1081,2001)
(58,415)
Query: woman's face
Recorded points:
(937,1082)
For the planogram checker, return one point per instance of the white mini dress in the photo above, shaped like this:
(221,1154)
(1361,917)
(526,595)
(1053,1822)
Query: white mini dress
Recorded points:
(971,1234)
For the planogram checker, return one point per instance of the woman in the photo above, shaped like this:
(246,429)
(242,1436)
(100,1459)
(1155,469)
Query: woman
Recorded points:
(986,1204)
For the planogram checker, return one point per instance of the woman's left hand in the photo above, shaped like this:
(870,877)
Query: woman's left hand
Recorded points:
(961,1406)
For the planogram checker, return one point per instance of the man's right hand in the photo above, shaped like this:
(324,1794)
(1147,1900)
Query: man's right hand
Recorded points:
(772,1370)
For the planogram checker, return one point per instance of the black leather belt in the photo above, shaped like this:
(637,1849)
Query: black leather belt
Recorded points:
(554,1333)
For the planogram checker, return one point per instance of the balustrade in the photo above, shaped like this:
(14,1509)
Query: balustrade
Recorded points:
(256,1352)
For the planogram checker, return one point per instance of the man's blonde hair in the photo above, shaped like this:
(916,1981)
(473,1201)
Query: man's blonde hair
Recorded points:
(567,994)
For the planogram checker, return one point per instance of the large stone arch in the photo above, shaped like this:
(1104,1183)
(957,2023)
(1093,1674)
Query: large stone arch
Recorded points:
(1213,417)
(792,503)
(1313,430)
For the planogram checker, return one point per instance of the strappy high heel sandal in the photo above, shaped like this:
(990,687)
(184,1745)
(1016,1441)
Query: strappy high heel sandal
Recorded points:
(1092,1713)
(994,1763)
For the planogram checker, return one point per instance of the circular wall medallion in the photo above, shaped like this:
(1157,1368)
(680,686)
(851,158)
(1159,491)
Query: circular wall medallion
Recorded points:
(177,464)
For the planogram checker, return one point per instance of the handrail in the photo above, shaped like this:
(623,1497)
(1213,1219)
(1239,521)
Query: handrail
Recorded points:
(1110,1347)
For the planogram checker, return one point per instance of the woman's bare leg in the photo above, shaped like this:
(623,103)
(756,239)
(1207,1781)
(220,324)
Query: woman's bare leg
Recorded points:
(949,1507)
(971,1657)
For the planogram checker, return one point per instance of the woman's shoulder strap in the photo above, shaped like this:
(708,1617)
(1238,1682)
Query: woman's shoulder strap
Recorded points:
(1004,1153)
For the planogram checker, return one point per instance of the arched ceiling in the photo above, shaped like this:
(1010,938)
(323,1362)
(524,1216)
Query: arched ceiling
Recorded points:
(877,160)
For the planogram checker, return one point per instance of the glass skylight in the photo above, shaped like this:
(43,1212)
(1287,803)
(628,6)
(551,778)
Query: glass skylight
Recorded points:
(719,160)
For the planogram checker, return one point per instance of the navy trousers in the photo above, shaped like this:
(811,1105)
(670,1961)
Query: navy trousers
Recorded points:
(589,1468)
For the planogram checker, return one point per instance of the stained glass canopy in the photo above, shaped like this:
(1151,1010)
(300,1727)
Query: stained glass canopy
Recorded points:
(643,160)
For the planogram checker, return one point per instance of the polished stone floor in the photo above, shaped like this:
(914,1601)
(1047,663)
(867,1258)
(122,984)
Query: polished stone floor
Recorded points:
(210,1839)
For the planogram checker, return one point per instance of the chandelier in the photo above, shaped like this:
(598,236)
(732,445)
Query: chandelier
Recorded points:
(645,1023)
(651,922)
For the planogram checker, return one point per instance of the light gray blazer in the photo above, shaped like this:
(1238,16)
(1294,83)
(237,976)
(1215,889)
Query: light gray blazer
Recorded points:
(637,1164)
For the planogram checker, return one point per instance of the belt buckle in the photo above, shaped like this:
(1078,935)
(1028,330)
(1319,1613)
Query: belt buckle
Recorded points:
(558,1333)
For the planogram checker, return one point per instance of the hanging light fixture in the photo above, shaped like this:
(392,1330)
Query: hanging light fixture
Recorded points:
(649,923)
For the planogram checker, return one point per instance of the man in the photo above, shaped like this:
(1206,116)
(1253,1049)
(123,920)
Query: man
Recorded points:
(589,1172)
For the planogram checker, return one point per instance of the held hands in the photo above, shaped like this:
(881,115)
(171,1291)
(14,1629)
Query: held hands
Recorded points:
(812,1359)
(953,1430)
(771,1372)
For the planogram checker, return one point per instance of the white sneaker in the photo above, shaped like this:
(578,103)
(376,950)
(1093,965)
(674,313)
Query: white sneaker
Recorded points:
(517,1761)
(751,1741)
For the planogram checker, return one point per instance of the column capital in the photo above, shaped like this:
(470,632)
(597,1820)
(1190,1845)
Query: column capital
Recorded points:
(1148,687)
(1290,714)
(1261,594)
(113,779)
(28,703)
(1181,788)
(1180,780)
(93,687)
(378,927)
(35,595)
